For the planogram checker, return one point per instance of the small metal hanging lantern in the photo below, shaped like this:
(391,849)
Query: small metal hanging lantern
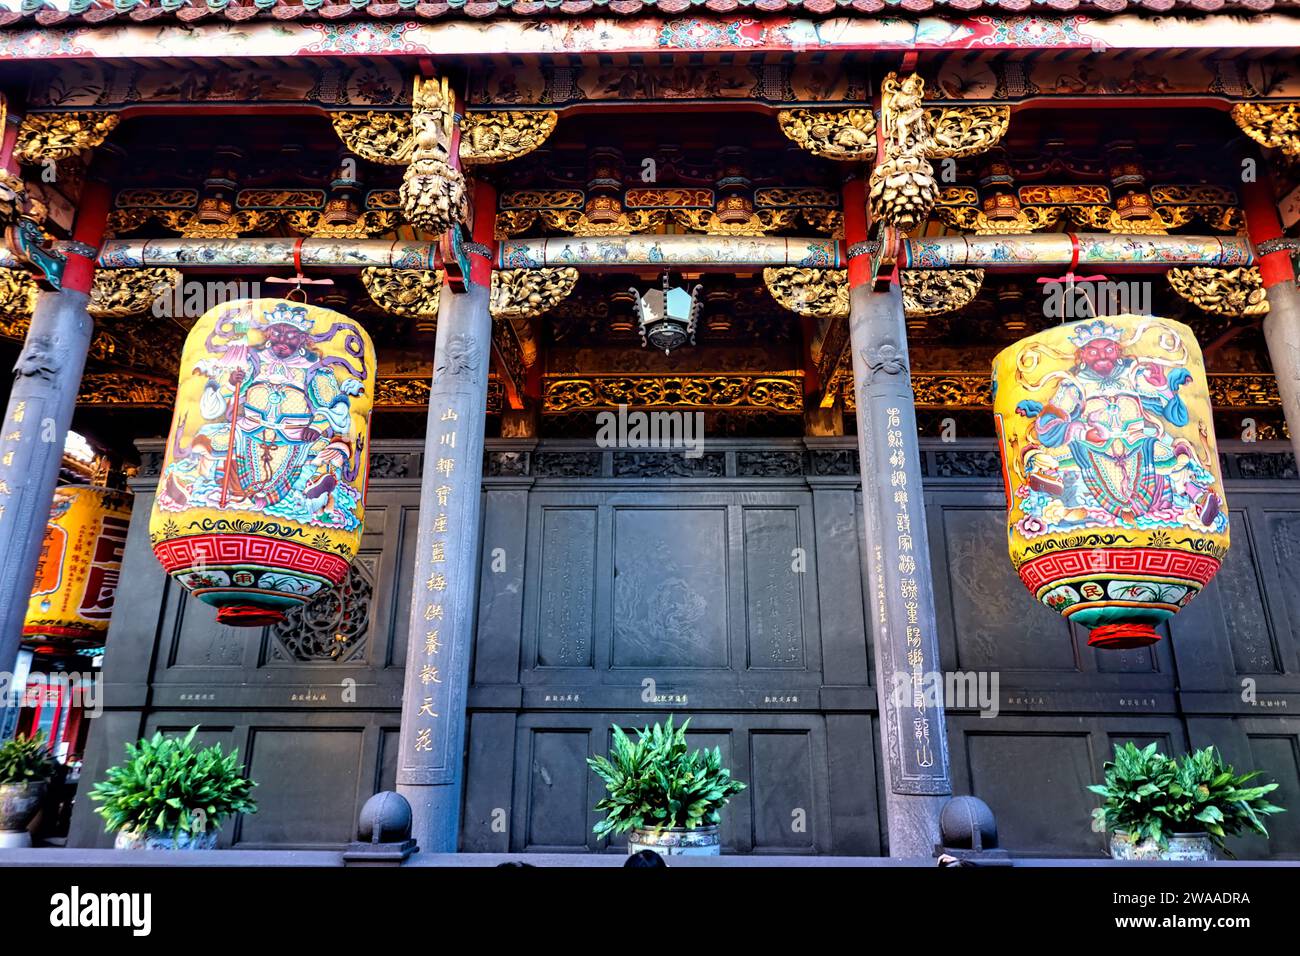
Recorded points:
(667,317)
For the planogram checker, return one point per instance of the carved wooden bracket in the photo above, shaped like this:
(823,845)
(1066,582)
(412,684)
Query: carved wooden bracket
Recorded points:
(499,137)
(1275,125)
(960,131)
(822,293)
(407,293)
(495,137)
(902,189)
(936,291)
(45,137)
(1231,292)
(117,293)
(528,293)
(843,135)
(433,194)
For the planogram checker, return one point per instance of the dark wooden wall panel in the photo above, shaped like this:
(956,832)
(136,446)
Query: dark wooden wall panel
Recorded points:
(308,786)
(623,587)
(557,776)
(1049,817)
(783,773)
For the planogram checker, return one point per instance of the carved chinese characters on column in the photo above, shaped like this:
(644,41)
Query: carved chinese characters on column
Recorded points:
(922,746)
(908,663)
(11,437)
(445,465)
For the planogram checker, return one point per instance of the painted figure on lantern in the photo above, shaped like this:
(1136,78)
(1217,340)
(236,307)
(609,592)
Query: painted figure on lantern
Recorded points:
(1115,509)
(294,453)
(260,500)
(1102,451)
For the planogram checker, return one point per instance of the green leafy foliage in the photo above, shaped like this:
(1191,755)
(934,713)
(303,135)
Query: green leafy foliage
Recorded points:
(169,787)
(656,783)
(26,760)
(1149,796)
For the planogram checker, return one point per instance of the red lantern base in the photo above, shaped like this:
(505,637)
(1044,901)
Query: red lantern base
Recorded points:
(245,615)
(1119,637)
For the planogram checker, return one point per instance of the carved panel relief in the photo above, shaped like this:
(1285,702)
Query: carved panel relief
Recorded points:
(670,587)
(333,627)
(773,596)
(567,587)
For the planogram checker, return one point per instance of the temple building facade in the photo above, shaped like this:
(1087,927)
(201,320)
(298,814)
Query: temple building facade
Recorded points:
(464,379)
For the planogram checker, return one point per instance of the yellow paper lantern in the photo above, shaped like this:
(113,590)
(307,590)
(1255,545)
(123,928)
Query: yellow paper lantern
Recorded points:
(79,564)
(260,502)
(1116,516)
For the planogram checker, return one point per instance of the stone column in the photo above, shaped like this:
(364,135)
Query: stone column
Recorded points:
(47,378)
(1282,323)
(443,599)
(913,740)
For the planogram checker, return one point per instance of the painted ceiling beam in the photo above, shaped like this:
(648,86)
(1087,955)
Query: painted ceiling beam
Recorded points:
(1031,252)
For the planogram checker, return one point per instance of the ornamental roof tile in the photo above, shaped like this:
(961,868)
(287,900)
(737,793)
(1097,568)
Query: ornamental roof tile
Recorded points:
(50,12)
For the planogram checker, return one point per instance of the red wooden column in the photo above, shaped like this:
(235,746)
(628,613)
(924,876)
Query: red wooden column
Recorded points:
(913,738)
(1282,324)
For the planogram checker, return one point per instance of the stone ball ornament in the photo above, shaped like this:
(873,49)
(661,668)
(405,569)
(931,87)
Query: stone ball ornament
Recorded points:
(967,823)
(385,818)
(1116,516)
(260,502)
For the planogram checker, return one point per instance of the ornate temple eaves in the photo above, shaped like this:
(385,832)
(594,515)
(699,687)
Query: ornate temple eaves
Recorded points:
(205,30)
(242,10)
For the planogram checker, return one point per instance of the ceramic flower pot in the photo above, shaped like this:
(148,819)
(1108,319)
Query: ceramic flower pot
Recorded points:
(676,841)
(154,840)
(19,803)
(1190,847)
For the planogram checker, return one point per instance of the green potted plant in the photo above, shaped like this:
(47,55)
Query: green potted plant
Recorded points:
(1160,808)
(168,795)
(665,797)
(26,768)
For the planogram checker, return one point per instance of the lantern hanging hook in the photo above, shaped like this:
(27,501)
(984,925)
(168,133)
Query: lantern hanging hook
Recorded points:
(1070,278)
(299,279)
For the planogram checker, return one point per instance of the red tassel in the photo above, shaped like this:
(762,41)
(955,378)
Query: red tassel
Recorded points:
(1119,637)
(245,615)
